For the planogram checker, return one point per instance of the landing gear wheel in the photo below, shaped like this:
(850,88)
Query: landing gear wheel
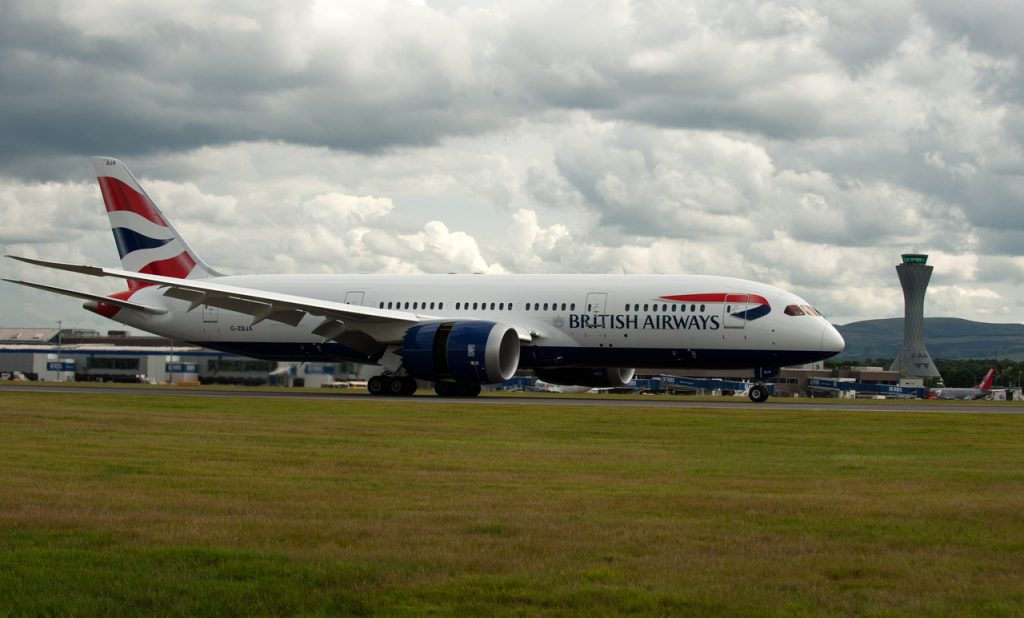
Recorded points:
(400,386)
(468,390)
(445,389)
(758,393)
(377,385)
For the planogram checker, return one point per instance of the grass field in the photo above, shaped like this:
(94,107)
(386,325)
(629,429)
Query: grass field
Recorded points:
(128,505)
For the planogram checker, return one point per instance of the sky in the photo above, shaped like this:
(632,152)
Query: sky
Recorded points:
(803,144)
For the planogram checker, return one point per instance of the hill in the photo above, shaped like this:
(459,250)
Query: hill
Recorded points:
(948,338)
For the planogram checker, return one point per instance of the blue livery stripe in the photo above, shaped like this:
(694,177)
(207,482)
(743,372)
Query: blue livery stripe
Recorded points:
(752,314)
(129,241)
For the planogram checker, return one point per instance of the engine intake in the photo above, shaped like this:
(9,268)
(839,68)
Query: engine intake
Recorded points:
(612,377)
(470,351)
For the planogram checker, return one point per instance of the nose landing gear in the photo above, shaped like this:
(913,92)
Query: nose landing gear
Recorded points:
(758,393)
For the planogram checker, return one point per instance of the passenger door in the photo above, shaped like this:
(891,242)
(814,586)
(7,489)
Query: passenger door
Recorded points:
(596,302)
(735,305)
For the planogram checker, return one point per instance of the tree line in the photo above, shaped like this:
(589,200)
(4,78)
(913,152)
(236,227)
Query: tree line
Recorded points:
(955,373)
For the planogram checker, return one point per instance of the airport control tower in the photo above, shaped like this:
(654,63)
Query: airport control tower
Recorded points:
(913,359)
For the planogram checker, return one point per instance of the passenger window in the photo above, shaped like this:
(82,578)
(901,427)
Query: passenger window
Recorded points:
(415,305)
(389,304)
(646,306)
(545,306)
(440,305)
(406,304)
(702,308)
(572,307)
(527,306)
(563,306)
(492,306)
(431,305)
(474,306)
(693,308)
(457,305)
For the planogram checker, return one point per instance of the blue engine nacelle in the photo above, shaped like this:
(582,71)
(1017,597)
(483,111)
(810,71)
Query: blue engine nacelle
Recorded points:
(613,377)
(468,351)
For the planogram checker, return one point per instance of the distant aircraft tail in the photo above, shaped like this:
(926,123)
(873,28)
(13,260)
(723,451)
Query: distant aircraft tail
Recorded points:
(146,240)
(986,384)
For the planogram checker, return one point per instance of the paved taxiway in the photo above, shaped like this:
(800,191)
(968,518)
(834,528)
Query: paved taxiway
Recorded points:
(859,405)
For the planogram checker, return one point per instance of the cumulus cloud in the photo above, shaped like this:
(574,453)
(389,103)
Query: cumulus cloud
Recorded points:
(803,143)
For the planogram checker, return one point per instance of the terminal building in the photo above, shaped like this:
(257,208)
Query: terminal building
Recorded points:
(84,355)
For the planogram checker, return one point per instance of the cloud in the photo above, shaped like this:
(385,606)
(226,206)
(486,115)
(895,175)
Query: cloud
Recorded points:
(805,144)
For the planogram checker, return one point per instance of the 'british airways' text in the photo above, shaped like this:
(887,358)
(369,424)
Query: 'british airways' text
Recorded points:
(625,321)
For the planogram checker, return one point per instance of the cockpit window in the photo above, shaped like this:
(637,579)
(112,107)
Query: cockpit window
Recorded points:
(794,310)
(811,311)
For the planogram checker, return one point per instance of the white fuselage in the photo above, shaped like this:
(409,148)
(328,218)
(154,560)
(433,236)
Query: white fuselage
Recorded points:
(646,321)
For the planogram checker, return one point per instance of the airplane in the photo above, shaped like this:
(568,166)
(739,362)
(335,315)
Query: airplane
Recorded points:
(541,386)
(459,331)
(978,392)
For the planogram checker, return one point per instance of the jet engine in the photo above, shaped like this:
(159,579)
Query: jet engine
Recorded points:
(612,377)
(476,352)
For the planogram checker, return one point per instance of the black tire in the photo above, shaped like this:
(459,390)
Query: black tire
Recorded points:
(395,386)
(472,390)
(758,393)
(376,385)
(408,385)
(444,389)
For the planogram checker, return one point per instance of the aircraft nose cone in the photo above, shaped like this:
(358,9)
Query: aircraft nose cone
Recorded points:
(831,341)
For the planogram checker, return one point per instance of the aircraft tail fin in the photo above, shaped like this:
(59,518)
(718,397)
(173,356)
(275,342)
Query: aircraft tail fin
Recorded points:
(146,241)
(986,384)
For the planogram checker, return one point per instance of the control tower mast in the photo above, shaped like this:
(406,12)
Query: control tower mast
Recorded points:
(913,359)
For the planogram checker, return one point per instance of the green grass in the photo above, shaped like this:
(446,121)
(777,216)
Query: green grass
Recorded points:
(130,505)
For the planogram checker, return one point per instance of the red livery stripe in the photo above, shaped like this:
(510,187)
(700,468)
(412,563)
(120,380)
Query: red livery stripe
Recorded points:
(119,196)
(718,297)
(179,266)
(109,311)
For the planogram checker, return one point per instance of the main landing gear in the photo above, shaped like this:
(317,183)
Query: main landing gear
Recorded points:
(456,389)
(400,386)
(404,386)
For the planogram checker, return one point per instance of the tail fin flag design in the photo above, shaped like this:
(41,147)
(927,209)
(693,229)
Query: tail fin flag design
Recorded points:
(146,240)
(986,383)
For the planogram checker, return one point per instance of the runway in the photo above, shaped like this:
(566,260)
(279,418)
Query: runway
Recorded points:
(516,399)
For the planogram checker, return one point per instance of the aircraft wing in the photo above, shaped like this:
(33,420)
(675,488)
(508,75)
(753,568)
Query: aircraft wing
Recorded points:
(264,305)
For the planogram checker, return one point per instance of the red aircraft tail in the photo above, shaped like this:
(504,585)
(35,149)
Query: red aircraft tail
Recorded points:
(986,384)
